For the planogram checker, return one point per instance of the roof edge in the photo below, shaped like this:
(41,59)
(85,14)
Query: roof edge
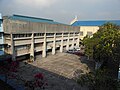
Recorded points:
(32,17)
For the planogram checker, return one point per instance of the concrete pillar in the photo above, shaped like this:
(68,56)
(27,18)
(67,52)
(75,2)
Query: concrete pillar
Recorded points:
(44,46)
(61,46)
(73,40)
(78,40)
(32,48)
(54,44)
(13,48)
(68,40)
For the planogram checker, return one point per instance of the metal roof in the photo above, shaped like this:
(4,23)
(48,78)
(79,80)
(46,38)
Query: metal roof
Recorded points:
(95,23)
(33,19)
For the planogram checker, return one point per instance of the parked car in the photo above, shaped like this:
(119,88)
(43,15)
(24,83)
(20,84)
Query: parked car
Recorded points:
(70,51)
(76,51)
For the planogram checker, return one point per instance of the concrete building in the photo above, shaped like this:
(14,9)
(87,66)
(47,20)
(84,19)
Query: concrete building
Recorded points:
(90,27)
(1,36)
(30,35)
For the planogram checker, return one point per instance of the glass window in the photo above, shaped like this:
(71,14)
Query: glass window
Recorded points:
(89,33)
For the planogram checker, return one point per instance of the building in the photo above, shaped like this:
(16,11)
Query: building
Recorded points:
(91,27)
(27,36)
(1,36)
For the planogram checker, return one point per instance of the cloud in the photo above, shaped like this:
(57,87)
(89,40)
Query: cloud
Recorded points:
(27,3)
(63,10)
(36,3)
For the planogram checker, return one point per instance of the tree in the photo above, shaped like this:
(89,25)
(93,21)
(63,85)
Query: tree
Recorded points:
(98,80)
(104,46)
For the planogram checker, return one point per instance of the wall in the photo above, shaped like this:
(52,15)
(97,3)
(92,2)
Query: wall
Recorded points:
(1,36)
(17,26)
(85,29)
(25,37)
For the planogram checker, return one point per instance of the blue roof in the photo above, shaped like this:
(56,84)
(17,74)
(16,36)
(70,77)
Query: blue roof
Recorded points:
(33,19)
(95,23)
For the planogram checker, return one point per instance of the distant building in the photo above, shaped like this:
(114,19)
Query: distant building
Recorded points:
(91,27)
(1,36)
(27,36)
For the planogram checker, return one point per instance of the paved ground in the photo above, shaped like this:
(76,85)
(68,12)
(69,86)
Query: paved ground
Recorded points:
(63,64)
(58,70)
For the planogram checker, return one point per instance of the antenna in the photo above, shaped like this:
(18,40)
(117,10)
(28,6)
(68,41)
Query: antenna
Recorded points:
(76,18)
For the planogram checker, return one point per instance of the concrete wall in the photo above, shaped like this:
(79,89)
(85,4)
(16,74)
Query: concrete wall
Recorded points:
(29,37)
(17,26)
(19,46)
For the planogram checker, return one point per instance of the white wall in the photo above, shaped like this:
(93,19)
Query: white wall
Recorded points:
(86,29)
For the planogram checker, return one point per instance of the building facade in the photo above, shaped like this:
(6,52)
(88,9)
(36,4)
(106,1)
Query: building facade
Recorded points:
(91,27)
(1,36)
(29,35)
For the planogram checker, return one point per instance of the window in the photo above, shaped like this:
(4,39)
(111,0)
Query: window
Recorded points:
(58,33)
(65,33)
(81,33)
(0,35)
(89,33)
(49,34)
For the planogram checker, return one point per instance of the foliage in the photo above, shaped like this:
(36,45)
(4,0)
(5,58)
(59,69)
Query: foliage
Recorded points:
(98,80)
(38,81)
(5,57)
(104,45)
(10,68)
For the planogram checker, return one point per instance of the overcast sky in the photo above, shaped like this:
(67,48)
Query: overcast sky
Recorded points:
(63,10)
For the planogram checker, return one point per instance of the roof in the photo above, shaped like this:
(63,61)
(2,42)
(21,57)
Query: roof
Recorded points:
(32,19)
(95,23)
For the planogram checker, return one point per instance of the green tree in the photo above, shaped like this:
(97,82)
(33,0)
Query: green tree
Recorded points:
(98,80)
(104,46)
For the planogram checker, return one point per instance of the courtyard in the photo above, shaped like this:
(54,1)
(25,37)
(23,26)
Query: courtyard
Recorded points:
(58,70)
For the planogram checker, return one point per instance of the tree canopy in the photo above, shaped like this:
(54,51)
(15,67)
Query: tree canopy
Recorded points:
(105,44)
(103,47)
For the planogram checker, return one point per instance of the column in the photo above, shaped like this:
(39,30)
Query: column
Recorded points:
(44,46)
(68,40)
(13,48)
(78,40)
(73,40)
(61,46)
(32,48)
(54,44)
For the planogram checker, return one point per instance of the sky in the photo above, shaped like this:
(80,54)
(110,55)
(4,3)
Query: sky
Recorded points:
(63,10)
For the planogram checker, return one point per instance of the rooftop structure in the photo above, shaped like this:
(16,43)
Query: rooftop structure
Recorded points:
(94,23)
(91,27)
(32,19)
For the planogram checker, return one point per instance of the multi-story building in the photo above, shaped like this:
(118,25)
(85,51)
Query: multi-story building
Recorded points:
(91,27)
(1,36)
(29,35)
